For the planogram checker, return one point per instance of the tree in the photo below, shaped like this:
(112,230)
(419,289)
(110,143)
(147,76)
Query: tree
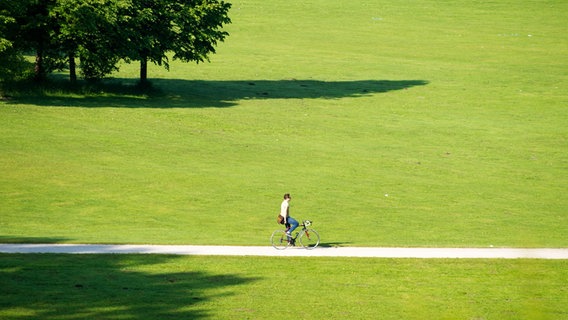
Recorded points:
(7,52)
(188,28)
(12,62)
(102,32)
(33,33)
(198,29)
(87,29)
(146,32)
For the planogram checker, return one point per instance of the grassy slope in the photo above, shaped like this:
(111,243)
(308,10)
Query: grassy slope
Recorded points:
(455,110)
(474,157)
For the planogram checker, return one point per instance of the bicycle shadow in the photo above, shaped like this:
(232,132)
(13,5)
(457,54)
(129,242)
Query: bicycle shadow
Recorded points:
(332,244)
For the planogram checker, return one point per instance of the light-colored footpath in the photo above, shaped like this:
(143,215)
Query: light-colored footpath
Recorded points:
(362,252)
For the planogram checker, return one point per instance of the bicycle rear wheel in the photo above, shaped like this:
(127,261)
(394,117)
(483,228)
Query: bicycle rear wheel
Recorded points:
(279,240)
(309,239)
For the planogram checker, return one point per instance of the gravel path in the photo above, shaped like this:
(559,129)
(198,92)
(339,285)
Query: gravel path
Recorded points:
(426,253)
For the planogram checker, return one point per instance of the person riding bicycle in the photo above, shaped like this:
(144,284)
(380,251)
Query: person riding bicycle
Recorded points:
(290,223)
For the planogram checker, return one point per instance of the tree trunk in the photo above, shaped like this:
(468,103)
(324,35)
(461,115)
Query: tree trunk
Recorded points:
(39,70)
(143,70)
(72,68)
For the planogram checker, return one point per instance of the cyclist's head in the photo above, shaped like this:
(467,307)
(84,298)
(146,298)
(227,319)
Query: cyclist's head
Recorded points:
(287,196)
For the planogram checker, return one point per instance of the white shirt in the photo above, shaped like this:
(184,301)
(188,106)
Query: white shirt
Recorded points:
(284,209)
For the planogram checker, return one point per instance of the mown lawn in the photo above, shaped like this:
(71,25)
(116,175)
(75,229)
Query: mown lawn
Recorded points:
(421,123)
(49,286)
(409,123)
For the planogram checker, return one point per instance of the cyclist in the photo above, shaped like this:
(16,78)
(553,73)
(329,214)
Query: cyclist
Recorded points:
(291,223)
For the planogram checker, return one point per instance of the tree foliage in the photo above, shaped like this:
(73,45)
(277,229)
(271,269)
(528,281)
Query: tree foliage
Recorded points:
(86,29)
(189,28)
(6,47)
(100,33)
(11,60)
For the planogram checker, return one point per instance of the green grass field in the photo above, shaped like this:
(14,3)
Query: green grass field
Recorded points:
(408,123)
(456,110)
(169,287)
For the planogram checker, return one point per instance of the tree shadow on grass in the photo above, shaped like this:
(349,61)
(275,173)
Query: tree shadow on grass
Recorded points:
(174,93)
(17,239)
(51,286)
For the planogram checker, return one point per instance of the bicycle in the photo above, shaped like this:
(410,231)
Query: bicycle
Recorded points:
(308,238)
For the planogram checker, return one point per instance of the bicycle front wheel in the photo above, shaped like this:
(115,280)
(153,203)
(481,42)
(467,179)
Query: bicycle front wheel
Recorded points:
(309,239)
(279,240)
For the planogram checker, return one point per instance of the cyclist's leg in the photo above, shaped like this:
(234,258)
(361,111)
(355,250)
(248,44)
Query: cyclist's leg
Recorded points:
(293,224)
(287,233)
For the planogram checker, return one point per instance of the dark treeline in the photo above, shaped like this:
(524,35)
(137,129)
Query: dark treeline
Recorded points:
(94,35)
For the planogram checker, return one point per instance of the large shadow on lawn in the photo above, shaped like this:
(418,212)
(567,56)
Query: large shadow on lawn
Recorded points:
(17,239)
(173,93)
(48,286)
